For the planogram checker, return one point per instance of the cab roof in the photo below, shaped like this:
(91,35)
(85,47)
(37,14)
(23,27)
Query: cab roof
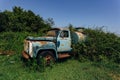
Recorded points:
(59,29)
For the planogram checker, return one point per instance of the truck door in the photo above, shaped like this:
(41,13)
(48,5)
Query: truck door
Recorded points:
(64,41)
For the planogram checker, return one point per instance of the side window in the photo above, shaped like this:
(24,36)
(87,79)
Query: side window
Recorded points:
(64,34)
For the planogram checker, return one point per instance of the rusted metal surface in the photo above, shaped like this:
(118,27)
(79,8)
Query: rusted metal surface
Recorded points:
(57,40)
(77,37)
(80,35)
(25,55)
(65,55)
(51,33)
(43,42)
(49,59)
(33,46)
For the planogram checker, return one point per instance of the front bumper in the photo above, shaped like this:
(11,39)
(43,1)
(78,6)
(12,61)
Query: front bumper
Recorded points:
(25,55)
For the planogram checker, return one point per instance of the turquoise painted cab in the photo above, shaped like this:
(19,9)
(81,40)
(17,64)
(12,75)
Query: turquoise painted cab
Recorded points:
(56,44)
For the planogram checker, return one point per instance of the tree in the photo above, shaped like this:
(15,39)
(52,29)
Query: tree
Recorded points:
(23,20)
(3,21)
(50,22)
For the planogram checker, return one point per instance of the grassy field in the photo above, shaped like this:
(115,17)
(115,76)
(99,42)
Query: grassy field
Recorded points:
(12,68)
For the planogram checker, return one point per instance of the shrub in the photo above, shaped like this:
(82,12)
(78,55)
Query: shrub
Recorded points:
(99,46)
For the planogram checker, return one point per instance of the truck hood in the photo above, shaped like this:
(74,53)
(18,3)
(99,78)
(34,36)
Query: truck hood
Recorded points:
(41,38)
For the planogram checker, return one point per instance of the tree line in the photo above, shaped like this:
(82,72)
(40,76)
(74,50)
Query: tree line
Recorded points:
(19,20)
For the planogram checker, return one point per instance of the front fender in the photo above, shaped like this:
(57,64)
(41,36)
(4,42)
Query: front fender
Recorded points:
(49,49)
(44,46)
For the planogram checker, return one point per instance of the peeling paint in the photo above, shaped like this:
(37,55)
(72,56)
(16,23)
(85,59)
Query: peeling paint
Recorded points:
(53,41)
(43,42)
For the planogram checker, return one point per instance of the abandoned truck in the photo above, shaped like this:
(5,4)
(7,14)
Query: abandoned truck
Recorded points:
(56,44)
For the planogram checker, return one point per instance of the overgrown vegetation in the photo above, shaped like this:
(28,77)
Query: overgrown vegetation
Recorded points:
(14,40)
(11,69)
(12,44)
(99,46)
(15,26)
(19,20)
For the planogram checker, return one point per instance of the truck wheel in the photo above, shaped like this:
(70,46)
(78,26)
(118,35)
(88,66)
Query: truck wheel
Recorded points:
(47,57)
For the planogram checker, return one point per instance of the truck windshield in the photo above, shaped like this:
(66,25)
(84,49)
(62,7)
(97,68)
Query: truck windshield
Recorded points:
(52,33)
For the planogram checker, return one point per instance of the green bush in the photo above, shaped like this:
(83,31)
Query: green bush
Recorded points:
(12,42)
(99,46)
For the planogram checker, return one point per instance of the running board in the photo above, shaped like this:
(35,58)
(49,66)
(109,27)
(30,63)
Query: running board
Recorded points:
(63,55)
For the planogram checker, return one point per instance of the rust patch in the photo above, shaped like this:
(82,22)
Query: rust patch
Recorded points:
(43,42)
(25,55)
(65,55)
(51,33)
(62,44)
(82,37)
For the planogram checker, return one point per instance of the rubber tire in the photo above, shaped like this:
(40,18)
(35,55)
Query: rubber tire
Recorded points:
(44,54)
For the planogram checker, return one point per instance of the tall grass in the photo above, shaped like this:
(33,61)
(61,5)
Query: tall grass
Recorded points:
(12,68)
(68,70)
(12,43)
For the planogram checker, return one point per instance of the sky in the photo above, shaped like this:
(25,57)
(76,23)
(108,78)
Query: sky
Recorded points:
(87,13)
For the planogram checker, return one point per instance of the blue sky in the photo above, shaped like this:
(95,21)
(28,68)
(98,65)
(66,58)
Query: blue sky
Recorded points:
(88,13)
